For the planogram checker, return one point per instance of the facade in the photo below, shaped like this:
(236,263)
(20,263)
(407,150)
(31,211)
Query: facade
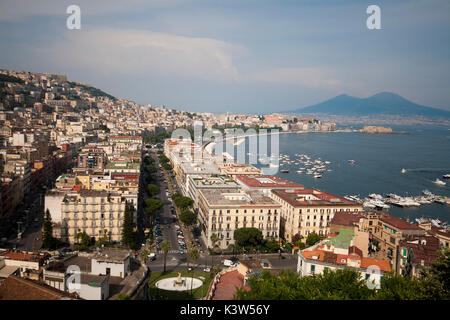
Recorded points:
(339,252)
(386,233)
(309,210)
(98,213)
(416,254)
(223,211)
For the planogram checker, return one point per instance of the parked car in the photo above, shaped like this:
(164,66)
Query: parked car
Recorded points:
(152,256)
(229,263)
(207,269)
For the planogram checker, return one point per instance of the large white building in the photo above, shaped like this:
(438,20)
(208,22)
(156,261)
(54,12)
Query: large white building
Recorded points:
(222,211)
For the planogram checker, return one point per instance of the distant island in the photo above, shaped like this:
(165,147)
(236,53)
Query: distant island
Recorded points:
(379,130)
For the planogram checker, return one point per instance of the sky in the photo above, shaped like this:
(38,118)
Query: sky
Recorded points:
(238,56)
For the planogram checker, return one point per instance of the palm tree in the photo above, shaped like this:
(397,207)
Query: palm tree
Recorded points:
(214,238)
(194,255)
(165,247)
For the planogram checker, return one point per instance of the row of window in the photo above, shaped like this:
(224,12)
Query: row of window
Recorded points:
(261,218)
(245,211)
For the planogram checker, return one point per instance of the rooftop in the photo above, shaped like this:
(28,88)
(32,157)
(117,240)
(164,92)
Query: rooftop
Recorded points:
(269,182)
(342,240)
(398,222)
(312,197)
(224,197)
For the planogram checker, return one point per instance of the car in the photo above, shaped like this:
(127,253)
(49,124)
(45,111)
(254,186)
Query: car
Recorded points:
(207,269)
(180,251)
(229,263)
(177,226)
(152,256)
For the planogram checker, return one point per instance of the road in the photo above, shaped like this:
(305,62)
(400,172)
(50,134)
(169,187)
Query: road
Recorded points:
(177,261)
(32,236)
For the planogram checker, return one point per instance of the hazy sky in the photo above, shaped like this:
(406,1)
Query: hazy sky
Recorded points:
(235,55)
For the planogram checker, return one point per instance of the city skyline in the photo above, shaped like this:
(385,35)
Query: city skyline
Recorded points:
(254,57)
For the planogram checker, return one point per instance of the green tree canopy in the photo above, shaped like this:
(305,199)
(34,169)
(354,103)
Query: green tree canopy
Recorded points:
(312,239)
(188,217)
(153,189)
(152,206)
(128,235)
(248,237)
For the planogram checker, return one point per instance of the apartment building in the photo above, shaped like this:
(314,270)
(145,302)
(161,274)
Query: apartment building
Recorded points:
(222,211)
(98,213)
(340,252)
(211,182)
(416,254)
(239,169)
(309,210)
(188,169)
(386,233)
(266,184)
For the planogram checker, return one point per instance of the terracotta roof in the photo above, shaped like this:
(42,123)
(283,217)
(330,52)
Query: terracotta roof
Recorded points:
(15,288)
(427,251)
(398,222)
(295,197)
(343,218)
(329,257)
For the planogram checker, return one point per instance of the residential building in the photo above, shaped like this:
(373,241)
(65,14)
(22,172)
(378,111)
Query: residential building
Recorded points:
(309,210)
(222,211)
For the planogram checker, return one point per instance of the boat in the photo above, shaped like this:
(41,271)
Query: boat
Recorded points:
(284,171)
(439,182)
(317,176)
(403,170)
(427,192)
(351,161)
(446,176)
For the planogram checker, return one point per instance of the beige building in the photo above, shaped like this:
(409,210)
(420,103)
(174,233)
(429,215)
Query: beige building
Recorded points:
(309,210)
(98,213)
(236,169)
(386,233)
(222,211)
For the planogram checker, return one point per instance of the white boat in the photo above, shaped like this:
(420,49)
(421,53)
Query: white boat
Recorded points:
(351,161)
(439,182)
(317,176)
(446,176)
(369,205)
(403,170)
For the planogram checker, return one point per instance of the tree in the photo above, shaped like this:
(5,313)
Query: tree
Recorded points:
(436,280)
(153,206)
(272,245)
(83,241)
(248,237)
(194,255)
(312,239)
(188,217)
(151,169)
(48,241)
(288,285)
(214,239)
(182,202)
(128,235)
(153,189)
(165,247)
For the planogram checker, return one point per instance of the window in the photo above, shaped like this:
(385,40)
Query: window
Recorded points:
(313,268)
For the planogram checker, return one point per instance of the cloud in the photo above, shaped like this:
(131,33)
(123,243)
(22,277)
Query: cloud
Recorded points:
(309,77)
(140,52)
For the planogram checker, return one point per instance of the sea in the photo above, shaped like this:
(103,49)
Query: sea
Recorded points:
(424,152)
